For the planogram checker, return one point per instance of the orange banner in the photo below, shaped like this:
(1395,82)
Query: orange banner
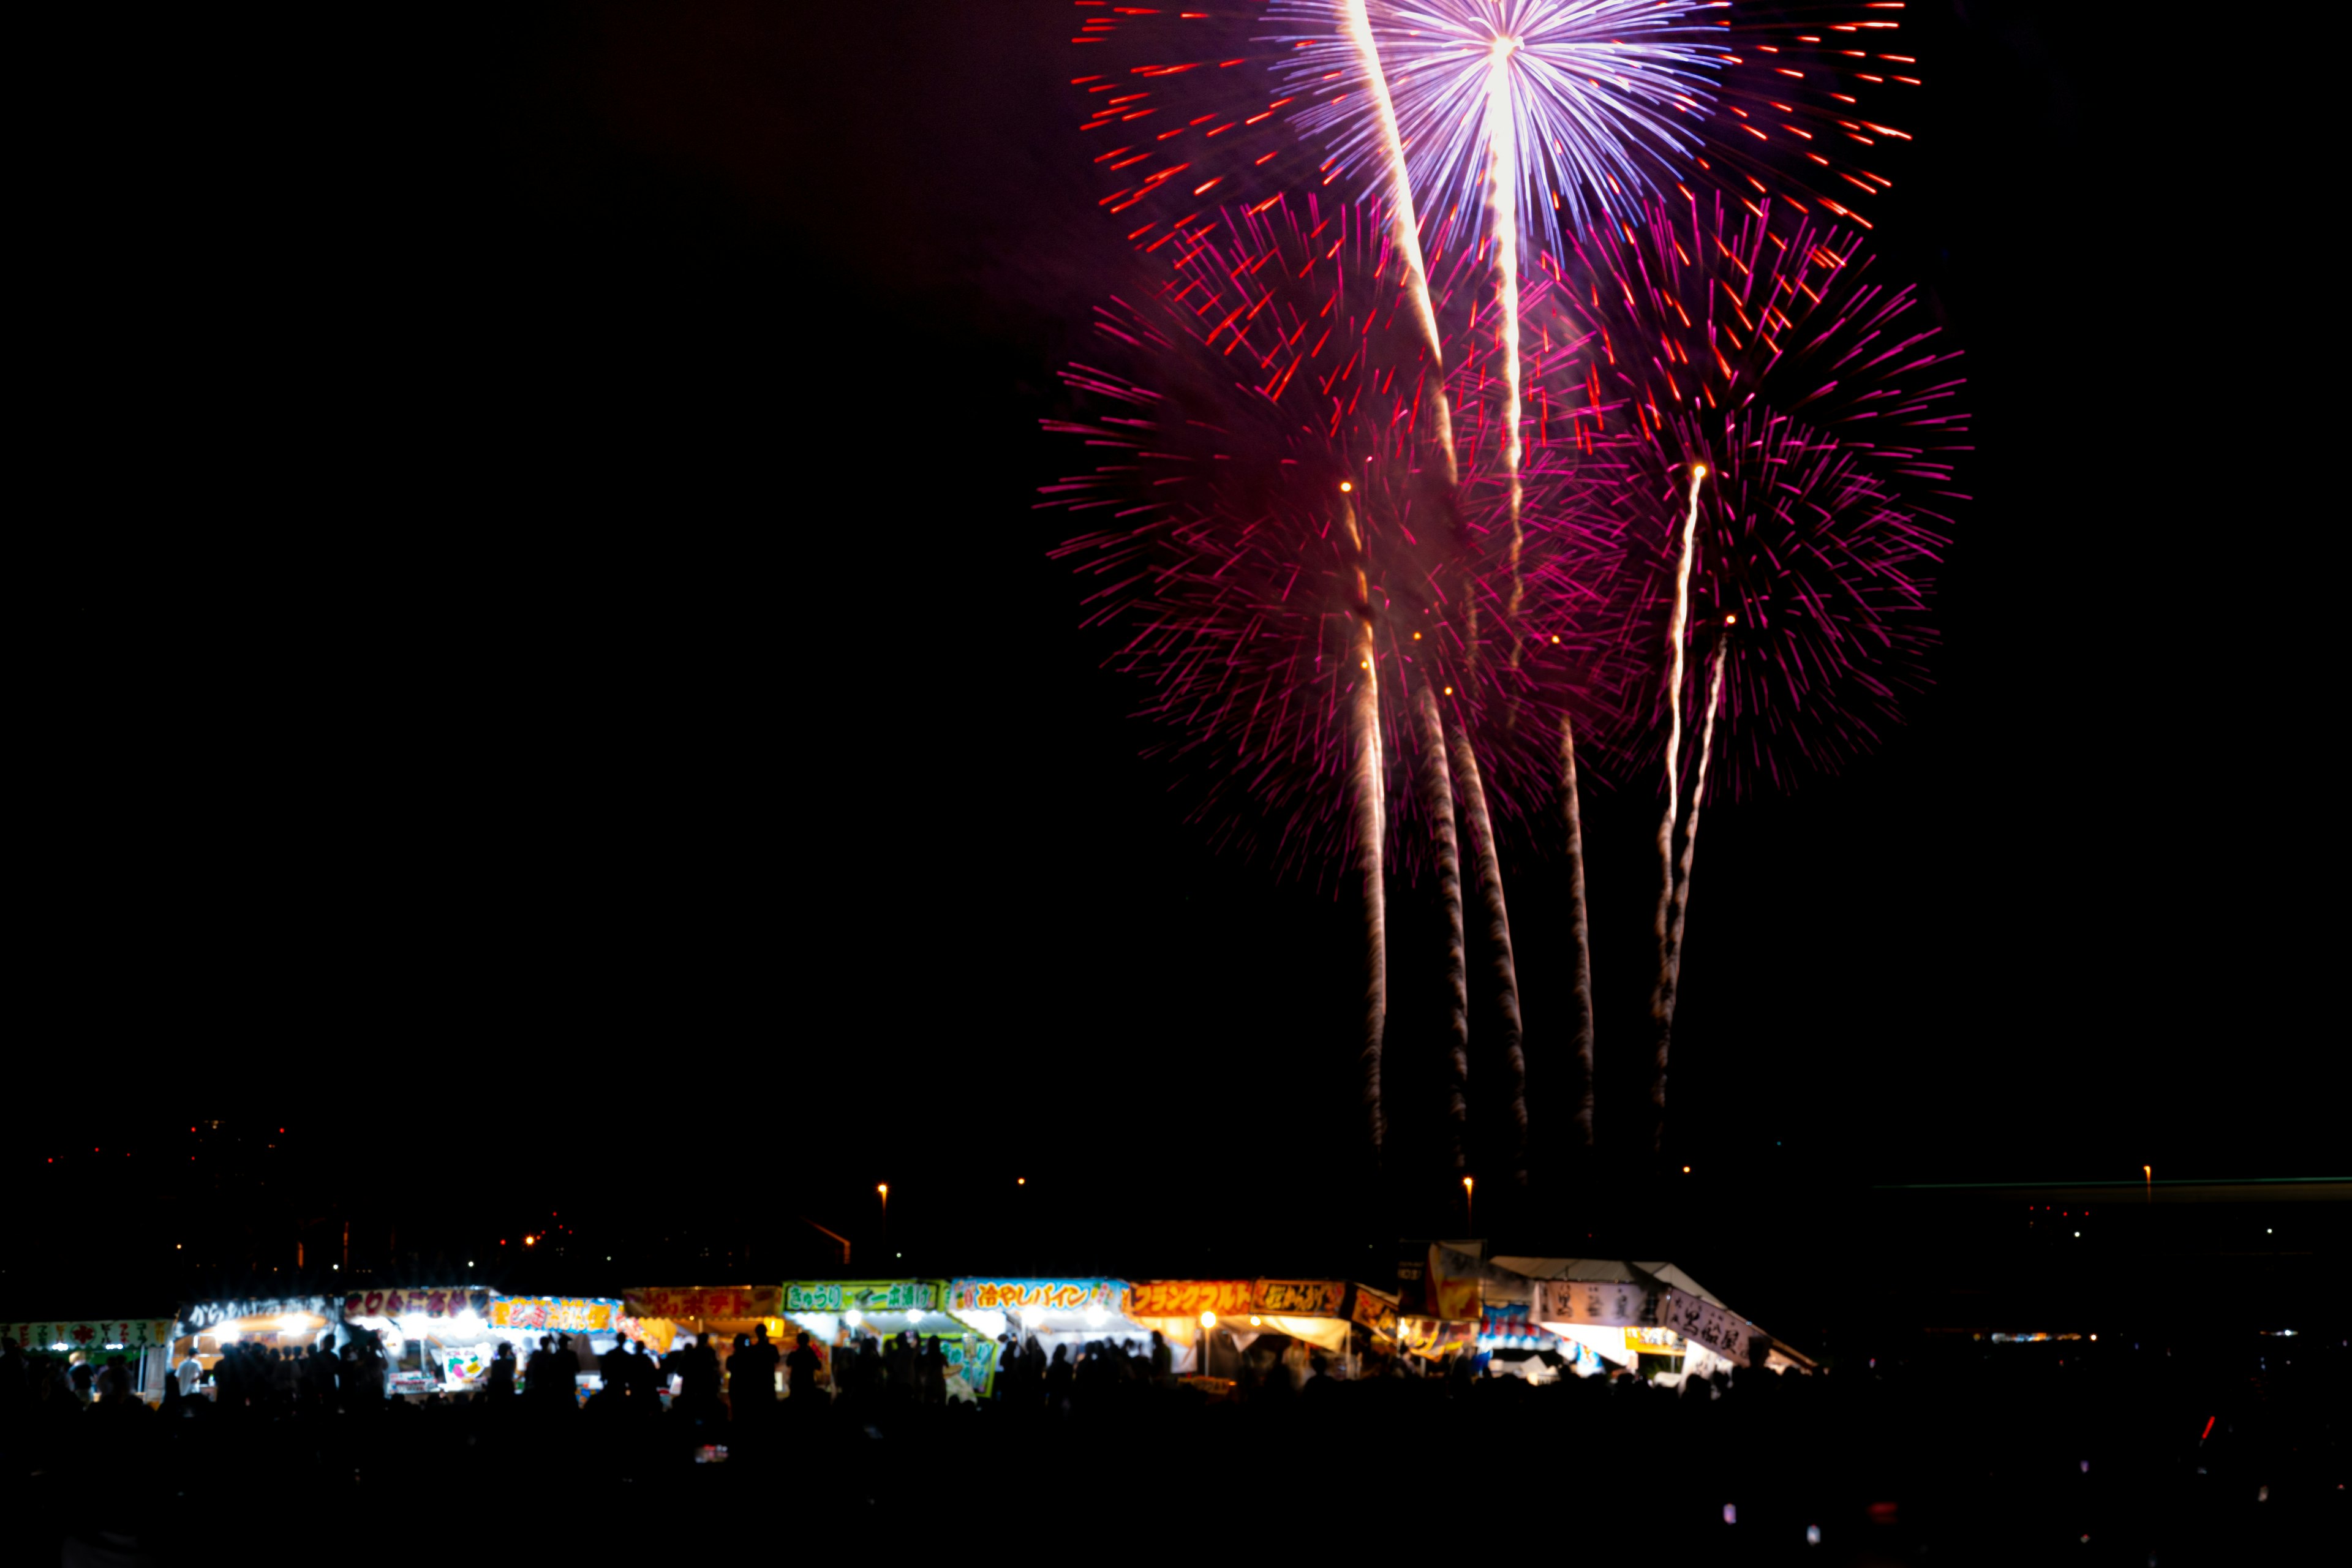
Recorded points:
(1189,1298)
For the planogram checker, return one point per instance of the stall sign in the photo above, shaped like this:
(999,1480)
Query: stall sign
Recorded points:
(560,1314)
(1299,1298)
(429,1303)
(1189,1298)
(210,1315)
(1606,1304)
(1375,1311)
(1724,1332)
(464,1363)
(1038,1295)
(865,1295)
(705,1301)
(129,1333)
(1653,1342)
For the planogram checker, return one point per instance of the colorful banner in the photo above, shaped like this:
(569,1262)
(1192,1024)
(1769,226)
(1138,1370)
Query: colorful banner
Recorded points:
(1189,1298)
(1038,1295)
(865,1295)
(705,1301)
(1451,1288)
(1375,1311)
(1724,1332)
(1609,1304)
(426,1303)
(124,1334)
(1653,1342)
(208,1315)
(556,1314)
(1299,1298)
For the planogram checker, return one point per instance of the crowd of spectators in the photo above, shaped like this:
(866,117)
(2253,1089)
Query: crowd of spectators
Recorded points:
(1959,1452)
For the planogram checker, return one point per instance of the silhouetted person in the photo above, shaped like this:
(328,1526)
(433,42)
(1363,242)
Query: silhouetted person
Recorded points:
(802,1367)
(933,1373)
(1163,1360)
(502,1371)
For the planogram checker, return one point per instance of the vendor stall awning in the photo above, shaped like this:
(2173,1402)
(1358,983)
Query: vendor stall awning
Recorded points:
(206,1316)
(686,1302)
(120,1333)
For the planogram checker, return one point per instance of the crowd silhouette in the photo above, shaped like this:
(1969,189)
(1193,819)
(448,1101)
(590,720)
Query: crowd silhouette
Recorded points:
(1954,1451)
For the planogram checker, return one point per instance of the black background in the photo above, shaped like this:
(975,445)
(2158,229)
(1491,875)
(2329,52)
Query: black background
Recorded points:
(550,688)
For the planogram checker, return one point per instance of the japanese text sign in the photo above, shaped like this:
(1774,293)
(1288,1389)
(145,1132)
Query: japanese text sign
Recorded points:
(1189,1298)
(864,1296)
(1299,1298)
(1609,1304)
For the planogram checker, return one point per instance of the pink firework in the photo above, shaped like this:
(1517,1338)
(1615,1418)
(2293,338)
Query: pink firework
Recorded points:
(1278,532)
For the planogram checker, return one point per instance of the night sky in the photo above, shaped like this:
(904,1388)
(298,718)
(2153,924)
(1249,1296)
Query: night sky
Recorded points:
(554,692)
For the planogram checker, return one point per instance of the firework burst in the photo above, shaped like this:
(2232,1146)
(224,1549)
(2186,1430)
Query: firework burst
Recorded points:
(1283,367)
(1590,108)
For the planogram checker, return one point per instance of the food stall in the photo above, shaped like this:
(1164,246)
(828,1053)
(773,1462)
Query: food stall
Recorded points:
(834,1311)
(1626,1313)
(664,1317)
(1444,1294)
(593,1321)
(1188,1313)
(143,1343)
(435,1340)
(1071,1313)
(1229,1317)
(280,1323)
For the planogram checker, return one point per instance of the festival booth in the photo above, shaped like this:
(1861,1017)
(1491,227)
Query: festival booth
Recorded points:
(593,1321)
(667,1317)
(435,1341)
(1623,1311)
(143,1343)
(1211,1324)
(1443,1298)
(1069,1313)
(834,1311)
(281,1322)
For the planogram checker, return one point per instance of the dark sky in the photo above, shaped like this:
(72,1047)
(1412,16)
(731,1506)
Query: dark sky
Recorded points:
(554,667)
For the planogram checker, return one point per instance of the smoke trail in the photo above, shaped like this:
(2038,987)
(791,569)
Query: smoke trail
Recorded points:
(1371,833)
(1499,937)
(1403,223)
(1577,932)
(1670,969)
(1437,797)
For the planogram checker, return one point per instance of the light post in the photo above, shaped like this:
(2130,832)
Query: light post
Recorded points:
(884,1188)
(1208,1330)
(2147,1173)
(1469,1216)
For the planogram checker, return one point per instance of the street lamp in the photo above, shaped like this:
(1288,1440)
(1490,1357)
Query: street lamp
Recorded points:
(884,1188)
(1208,1327)
(2147,1174)
(1469,1191)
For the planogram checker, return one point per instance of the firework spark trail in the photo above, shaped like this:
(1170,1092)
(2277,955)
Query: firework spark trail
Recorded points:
(1499,940)
(1371,828)
(1675,626)
(1402,223)
(1504,182)
(1670,969)
(1371,835)
(1578,935)
(1437,795)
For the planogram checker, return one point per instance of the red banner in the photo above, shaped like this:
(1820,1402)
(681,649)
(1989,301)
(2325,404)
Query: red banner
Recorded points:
(705,1301)
(1299,1298)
